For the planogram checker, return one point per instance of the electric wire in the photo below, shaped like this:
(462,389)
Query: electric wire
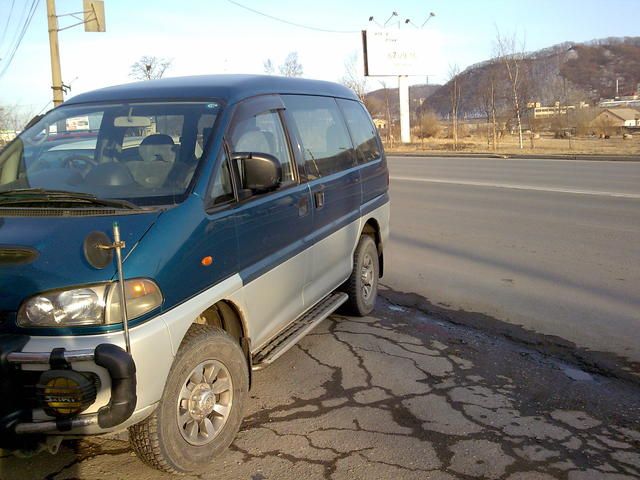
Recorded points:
(300,25)
(20,18)
(6,24)
(25,27)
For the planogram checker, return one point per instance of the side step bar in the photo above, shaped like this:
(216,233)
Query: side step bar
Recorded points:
(298,329)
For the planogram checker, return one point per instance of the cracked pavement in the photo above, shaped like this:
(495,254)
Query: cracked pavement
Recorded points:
(403,395)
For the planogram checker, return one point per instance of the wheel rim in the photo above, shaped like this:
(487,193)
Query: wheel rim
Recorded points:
(205,402)
(367,276)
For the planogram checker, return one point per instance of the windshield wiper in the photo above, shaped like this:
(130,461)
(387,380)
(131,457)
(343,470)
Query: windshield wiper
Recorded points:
(23,196)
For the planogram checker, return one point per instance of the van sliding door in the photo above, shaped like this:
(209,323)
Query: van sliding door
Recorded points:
(334,180)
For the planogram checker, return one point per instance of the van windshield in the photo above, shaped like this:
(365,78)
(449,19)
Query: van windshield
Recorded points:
(144,153)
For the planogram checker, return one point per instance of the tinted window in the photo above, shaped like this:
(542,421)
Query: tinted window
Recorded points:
(362,130)
(263,133)
(325,139)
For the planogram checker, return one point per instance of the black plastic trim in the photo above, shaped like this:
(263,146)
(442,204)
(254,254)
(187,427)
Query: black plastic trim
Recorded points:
(122,370)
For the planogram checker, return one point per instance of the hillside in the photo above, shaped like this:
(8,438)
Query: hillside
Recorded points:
(568,73)
(376,100)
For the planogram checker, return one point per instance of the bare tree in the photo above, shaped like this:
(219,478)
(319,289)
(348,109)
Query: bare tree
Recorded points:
(269,69)
(512,58)
(14,117)
(291,66)
(149,68)
(352,77)
(455,92)
(387,109)
(488,104)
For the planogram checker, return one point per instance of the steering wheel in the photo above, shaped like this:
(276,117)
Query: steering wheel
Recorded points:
(81,162)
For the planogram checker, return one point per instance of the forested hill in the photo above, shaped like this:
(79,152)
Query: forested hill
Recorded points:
(568,73)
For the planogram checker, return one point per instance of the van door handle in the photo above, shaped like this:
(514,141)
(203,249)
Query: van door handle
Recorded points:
(303,206)
(319,199)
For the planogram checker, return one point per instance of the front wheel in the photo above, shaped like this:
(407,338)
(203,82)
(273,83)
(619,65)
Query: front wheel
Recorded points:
(362,285)
(202,405)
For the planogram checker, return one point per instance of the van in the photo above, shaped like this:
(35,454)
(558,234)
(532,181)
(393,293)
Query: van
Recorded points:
(161,240)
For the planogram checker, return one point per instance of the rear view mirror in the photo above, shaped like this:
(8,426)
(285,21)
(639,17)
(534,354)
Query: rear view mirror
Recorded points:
(260,171)
(132,122)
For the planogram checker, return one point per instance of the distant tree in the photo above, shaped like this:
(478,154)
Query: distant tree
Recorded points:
(488,104)
(429,124)
(353,79)
(291,66)
(455,92)
(269,69)
(387,109)
(13,118)
(149,68)
(512,58)
(604,125)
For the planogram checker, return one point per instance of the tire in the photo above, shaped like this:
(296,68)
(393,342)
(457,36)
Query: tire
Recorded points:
(172,439)
(362,285)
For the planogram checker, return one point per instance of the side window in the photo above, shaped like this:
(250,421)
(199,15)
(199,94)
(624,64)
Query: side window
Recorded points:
(263,133)
(325,139)
(362,130)
(222,188)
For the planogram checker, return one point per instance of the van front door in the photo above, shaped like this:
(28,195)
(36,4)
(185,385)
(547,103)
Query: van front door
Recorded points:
(334,180)
(272,226)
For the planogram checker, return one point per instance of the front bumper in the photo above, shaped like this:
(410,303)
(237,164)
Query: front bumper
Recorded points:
(18,405)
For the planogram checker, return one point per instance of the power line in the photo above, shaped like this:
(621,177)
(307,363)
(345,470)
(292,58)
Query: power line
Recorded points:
(20,19)
(300,25)
(25,27)
(6,24)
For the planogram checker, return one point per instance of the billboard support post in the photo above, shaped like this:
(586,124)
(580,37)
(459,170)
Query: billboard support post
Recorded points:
(405,119)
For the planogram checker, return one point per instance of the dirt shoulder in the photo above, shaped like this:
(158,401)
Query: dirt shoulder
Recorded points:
(575,148)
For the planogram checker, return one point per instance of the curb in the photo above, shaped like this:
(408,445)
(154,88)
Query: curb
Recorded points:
(505,156)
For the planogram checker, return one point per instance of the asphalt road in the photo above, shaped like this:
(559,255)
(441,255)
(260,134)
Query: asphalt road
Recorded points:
(547,250)
(401,395)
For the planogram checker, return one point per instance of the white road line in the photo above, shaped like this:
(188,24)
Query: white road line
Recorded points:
(514,186)
(518,160)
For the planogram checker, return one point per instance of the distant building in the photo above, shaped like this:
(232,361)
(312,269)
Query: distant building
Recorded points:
(618,118)
(6,136)
(380,123)
(630,101)
(547,112)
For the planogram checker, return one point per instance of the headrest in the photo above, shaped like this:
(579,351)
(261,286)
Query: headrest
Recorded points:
(157,148)
(157,139)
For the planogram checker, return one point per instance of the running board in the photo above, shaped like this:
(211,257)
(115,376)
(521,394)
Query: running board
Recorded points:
(298,329)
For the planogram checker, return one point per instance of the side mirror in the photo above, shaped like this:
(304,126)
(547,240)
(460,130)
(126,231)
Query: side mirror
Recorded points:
(260,172)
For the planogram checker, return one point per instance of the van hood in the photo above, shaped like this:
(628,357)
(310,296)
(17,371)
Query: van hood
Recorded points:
(58,260)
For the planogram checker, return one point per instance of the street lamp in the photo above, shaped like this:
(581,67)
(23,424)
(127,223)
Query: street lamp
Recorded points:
(393,14)
(431,14)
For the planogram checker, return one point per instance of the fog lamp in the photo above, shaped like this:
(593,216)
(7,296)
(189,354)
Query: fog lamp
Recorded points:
(65,393)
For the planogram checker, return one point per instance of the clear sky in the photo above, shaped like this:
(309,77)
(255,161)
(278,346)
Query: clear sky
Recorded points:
(216,36)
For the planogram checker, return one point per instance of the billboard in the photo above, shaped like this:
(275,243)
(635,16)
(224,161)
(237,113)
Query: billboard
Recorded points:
(94,15)
(392,52)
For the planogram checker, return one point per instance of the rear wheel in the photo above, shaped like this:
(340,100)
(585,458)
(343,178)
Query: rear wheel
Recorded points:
(362,285)
(202,405)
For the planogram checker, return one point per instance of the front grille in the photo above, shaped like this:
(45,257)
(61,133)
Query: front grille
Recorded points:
(58,212)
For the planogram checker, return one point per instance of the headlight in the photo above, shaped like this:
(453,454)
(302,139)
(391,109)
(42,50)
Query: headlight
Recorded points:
(90,305)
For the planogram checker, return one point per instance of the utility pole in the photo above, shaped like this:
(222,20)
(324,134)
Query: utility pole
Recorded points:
(56,74)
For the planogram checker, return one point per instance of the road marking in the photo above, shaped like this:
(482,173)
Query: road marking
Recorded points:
(518,160)
(514,186)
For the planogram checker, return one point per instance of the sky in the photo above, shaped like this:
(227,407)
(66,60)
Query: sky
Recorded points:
(218,36)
